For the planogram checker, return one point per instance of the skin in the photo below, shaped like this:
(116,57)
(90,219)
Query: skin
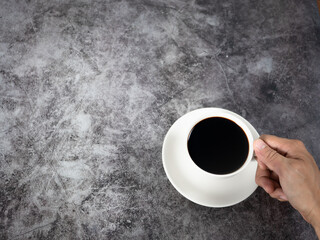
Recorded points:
(288,172)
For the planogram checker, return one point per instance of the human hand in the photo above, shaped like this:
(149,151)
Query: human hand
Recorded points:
(288,172)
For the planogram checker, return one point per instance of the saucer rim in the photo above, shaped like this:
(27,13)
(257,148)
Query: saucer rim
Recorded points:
(255,135)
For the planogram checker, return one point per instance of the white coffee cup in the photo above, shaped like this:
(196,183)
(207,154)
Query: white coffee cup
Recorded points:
(221,114)
(196,184)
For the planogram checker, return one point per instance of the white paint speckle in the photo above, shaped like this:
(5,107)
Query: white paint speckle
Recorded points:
(73,169)
(82,123)
(172,54)
(263,65)
(213,20)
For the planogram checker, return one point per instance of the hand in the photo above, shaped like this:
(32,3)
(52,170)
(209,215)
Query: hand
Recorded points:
(288,172)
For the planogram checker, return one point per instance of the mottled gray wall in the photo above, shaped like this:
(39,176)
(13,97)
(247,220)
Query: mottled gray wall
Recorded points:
(88,90)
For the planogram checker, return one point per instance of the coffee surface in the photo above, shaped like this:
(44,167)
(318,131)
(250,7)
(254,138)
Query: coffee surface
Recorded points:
(218,145)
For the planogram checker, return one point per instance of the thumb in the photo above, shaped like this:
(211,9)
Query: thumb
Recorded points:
(271,158)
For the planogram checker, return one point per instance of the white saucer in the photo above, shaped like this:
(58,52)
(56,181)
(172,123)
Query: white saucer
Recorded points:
(235,188)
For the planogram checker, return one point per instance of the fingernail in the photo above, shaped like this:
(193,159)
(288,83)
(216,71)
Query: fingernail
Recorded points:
(260,144)
(282,197)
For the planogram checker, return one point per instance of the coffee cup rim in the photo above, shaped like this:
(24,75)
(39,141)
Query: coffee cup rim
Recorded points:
(237,120)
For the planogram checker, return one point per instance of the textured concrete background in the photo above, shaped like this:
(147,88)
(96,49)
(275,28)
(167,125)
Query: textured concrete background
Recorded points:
(88,90)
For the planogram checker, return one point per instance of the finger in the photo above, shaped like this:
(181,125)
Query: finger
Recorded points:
(262,165)
(281,145)
(262,172)
(272,159)
(267,184)
(281,200)
(287,147)
(274,176)
(264,181)
(279,194)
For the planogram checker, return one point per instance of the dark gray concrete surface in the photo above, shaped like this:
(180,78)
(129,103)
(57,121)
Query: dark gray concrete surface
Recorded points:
(88,90)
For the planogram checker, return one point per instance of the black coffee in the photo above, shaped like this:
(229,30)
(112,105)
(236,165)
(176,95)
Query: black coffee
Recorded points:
(218,145)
